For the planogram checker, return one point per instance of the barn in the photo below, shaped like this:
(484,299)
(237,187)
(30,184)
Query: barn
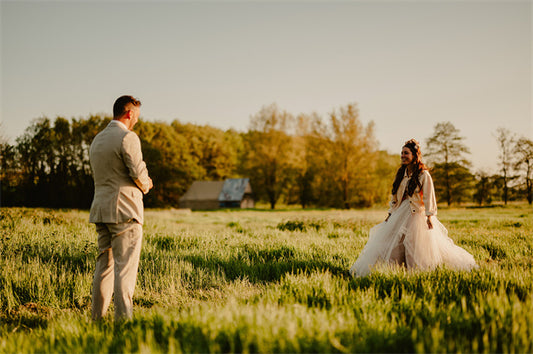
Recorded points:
(231,193)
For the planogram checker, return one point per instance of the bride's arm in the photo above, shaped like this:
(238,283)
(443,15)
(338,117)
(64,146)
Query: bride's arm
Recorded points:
(428,195)
(392,203)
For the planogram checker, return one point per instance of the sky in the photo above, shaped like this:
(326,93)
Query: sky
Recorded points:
(408,65)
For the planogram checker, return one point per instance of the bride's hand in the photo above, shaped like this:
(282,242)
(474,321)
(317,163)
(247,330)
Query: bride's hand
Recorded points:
(430,225)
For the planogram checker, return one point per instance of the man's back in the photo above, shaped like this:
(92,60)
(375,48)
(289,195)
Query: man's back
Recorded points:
(114,156)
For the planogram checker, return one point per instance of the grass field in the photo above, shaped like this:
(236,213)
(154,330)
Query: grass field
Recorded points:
(266,281)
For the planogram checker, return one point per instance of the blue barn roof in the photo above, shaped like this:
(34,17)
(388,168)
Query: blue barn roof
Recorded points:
(234,189)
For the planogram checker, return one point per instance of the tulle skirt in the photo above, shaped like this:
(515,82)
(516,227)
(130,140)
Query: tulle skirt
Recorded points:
(406,239)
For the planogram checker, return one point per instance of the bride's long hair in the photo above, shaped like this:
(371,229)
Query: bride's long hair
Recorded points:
(418,167)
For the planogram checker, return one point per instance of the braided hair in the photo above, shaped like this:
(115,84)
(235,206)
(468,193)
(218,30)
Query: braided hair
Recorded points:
(418,168)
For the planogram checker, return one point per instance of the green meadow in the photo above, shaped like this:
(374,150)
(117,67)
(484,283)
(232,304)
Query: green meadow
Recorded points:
(266,281)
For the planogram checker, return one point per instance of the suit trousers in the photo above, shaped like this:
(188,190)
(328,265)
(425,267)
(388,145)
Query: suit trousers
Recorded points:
(119,247)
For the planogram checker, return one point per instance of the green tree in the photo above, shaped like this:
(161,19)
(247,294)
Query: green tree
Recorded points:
(269,158)
(9,176)
(338,164)
(450,169)
(307,142)
(35,150)
(484,188)
(383,176)
(505,140)
(523,151)
(353,157)
(214,151)
(9,173)
(62,179)
(169,163)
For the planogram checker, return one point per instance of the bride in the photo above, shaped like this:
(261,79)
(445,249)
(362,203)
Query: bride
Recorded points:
(411,235)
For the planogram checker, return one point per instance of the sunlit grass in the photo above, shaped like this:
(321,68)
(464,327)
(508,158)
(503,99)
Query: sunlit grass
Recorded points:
(266,281)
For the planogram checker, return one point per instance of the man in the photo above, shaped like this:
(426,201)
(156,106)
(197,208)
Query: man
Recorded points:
(120,179)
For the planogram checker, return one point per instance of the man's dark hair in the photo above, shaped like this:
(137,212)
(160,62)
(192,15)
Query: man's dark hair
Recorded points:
(119,108)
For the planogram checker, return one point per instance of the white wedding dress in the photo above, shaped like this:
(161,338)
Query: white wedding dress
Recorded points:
(405,238)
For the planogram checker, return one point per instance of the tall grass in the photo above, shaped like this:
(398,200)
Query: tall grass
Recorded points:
(255,281)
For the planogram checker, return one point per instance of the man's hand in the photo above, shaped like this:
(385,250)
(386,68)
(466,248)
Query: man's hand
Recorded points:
(151,183)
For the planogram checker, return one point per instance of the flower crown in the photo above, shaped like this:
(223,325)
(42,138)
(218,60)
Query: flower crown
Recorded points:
(414,143)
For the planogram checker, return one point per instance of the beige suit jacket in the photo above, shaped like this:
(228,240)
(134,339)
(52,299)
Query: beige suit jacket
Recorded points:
(120,176)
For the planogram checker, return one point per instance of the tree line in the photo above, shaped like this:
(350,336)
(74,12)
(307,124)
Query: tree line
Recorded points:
(303,159)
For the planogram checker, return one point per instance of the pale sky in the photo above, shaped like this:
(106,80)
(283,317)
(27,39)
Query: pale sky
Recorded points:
(407,64)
